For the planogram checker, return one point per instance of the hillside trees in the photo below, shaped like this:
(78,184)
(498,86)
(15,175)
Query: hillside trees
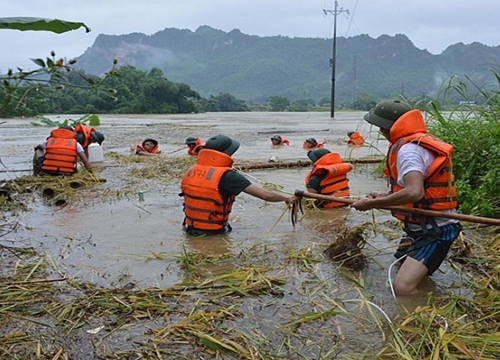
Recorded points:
(223,102)
(151,93)
(132,91)
(278,103)
(158,95)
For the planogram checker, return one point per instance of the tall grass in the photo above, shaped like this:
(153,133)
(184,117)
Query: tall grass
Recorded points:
(474,131)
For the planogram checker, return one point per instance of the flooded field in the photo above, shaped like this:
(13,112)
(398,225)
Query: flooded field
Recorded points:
(107,237)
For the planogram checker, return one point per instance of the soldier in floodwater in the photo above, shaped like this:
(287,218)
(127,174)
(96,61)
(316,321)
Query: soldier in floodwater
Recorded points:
(211,185)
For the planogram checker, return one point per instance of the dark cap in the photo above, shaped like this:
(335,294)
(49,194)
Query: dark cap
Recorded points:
(386,113)
(190,140)
(150,140)
(223,144)
(276,137)
(312,141)
(315,155)
(349,133)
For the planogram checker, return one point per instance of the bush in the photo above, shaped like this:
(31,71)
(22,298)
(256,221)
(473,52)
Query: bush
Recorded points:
(474,131)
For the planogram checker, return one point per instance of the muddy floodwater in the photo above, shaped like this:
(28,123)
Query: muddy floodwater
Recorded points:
(110,237)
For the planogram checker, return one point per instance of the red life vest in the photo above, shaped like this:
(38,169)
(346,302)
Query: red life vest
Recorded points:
(282,140)
(140,148)
(335,182)
(356,139)
(199,145)
(439,182)
(60,154)
(204,206)
(85,130)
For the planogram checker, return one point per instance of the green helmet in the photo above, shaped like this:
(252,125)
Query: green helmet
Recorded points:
(312,141)
(190,140)
(315,155)
(386,113)
(223,144)
(98,136)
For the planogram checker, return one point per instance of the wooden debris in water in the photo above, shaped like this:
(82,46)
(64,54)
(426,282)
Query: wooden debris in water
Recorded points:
(299,163)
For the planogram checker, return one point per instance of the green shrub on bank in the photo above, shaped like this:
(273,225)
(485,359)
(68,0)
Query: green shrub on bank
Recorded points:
(474,131)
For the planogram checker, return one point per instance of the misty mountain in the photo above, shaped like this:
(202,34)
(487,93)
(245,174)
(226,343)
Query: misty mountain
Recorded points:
(253,68)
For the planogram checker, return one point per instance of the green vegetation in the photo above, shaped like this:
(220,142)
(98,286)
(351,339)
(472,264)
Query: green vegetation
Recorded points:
(474,131)
(89,120)
(222,102)
(39,24)
(278,103)
(129,91)
(20,88)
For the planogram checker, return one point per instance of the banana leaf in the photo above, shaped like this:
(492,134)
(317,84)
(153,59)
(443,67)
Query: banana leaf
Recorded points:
(39,24)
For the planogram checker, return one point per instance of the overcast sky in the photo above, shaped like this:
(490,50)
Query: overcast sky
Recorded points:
(429,24)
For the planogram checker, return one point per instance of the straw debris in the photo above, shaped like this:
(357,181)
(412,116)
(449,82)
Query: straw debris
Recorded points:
(346,246)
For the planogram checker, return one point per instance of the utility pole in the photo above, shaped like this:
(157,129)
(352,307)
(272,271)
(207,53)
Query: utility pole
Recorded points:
(355,79)
(335,12)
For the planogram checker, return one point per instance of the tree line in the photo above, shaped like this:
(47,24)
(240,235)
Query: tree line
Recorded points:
(135,91)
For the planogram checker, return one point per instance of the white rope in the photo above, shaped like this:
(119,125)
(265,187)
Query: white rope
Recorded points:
(372,304)
(389,279)
(387,317)
(445,322)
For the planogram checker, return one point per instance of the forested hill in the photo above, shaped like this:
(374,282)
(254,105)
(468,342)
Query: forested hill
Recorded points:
(252,68)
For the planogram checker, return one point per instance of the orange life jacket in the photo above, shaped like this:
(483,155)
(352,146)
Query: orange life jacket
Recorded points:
(319,145)
(356,139)
(140,148)
(283,141)
(199,145)
(85,130)
(60,154)
(335,182)
(204,206)
(439,183)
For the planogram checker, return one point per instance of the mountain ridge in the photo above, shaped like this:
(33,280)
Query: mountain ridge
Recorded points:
(253,68)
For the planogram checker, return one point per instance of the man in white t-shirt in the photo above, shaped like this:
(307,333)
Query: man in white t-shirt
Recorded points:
(419,170)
